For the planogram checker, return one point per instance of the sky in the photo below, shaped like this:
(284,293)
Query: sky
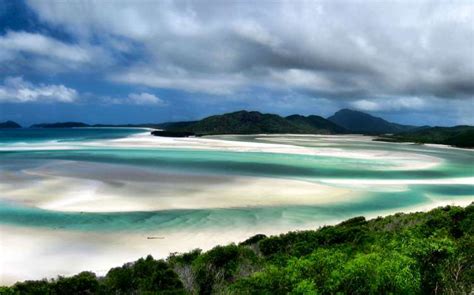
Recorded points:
(124,61)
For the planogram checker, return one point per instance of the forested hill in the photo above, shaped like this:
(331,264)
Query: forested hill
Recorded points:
(244,122)
(9,125)
(419,253)
(459,136)
(359,122)
(316,124)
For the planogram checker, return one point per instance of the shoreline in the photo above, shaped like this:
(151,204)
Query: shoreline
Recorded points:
(83,249)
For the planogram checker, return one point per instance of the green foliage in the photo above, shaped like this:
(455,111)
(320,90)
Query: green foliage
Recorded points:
(221,265)
(335,271)
(144,276)
(359,122)
(33,287)
(419,253)
(184,258)
(244,122)
(7,291)
(253,240)
(315,124)
(82,283)
(460,136)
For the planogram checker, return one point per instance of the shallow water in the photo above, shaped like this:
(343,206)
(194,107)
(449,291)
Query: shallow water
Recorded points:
(84,181)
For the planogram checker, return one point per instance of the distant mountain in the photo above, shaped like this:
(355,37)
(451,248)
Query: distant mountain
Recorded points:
(244,122)
(459,136)
(9,125)
(360,122)
(60,125)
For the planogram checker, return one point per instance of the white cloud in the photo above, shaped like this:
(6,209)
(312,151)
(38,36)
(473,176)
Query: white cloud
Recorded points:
(45,53)
(179,79)
(17,90)
(366,105)
(142,98)
(302,79)
(145,98)
(390,104)
(42,45)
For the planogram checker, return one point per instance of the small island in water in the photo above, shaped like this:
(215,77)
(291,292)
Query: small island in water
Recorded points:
(9,125)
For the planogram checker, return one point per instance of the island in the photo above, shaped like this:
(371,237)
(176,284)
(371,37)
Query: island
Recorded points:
(363,123)
(9,125)
(252,122)
(172,133)
(459,136)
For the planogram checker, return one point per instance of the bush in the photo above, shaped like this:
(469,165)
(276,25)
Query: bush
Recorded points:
(82,283)
(144,276)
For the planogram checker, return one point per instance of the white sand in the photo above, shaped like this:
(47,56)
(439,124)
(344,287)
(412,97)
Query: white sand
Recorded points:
(48,253)
(114,188)
(286,144)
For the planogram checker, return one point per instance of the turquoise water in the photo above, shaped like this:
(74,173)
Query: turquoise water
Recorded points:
(454,163)
(220,218)
(32,135)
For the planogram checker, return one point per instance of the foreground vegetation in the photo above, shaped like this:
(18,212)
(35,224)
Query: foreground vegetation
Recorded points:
(419,253)
(459,136)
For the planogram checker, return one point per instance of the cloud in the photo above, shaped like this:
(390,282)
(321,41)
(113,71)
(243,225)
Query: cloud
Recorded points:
(142,98)
(42,45)
(178,79)
(390,104)
(17,90)
(346,50)
(41,52)
(145,98)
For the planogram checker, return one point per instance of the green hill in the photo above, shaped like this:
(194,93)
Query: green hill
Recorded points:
(359,122)
(316,124)
(9,125)
(418,253)
(244,122)
(459,136)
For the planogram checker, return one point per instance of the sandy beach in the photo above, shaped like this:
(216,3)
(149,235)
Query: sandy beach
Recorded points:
(85,199)
(89,187)
(44,251)
(284,143)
